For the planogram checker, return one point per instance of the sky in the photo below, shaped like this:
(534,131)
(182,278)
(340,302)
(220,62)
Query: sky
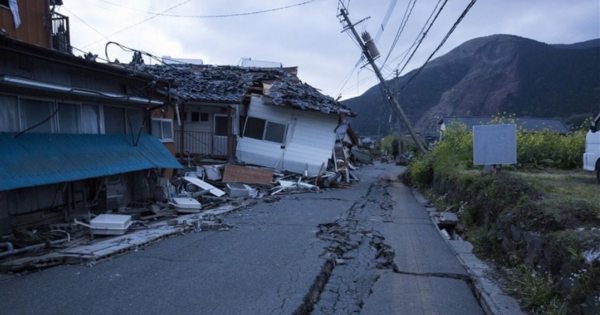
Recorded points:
(308,34)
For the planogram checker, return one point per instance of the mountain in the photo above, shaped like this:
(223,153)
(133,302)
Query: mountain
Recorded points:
(489,75)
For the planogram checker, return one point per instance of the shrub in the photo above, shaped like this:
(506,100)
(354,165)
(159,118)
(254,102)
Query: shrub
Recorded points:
(421,170)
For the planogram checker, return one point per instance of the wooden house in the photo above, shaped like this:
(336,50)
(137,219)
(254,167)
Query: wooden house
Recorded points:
(75,134)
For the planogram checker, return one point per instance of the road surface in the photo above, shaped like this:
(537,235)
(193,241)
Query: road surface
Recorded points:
(369,249)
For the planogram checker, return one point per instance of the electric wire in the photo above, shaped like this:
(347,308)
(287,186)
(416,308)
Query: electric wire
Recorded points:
(215,15)
(138,23)
(40,123)
(85,23)
(346,78)
(423,35)
(85,53)
(405,18)
(460,18)
(386,18)
(405,54)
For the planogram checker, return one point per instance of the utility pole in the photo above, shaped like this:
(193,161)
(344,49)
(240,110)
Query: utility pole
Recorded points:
(367,51)
(397,74)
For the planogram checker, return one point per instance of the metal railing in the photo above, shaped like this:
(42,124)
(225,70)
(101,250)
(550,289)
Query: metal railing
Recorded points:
(61,38)
(195,142)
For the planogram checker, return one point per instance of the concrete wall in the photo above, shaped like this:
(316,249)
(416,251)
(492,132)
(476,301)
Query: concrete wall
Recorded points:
(309,142)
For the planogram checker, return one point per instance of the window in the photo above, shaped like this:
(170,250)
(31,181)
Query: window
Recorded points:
(200,117)
(114,120)
(68,118)
(254,128)
(221,125)
(135,120)
(34,112)
(261,129)
(275,132)
(163,129)
(90,119)
(9,121)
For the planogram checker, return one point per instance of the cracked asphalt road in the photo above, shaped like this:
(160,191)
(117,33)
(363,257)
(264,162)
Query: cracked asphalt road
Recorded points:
(364,250)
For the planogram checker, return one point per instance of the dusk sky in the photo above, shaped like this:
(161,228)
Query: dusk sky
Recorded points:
(308,34)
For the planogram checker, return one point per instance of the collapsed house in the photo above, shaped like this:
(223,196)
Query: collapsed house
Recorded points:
(75,135)
(255,116)
(94,145)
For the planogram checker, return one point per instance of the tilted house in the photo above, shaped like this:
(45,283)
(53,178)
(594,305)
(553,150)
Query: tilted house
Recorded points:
(74,133)
(259,116)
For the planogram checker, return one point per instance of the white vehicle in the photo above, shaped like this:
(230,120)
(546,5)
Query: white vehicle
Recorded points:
(591,157)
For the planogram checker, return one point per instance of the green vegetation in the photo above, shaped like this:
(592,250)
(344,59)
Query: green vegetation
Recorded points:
(539,219)
(405,144)
(535,291)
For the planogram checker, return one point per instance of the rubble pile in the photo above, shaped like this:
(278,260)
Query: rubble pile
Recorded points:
(230,83)
(193,200)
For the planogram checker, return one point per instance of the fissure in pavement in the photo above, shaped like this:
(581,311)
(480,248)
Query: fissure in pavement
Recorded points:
(355,257)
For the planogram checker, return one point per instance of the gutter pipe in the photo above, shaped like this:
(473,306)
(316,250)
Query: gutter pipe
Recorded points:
(12,251)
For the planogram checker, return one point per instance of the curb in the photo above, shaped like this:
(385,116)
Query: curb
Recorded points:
(492,299)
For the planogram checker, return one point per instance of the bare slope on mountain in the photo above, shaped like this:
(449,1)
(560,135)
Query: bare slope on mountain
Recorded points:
(493,74)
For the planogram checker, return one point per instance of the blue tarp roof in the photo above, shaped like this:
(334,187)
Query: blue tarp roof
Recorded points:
(34,159)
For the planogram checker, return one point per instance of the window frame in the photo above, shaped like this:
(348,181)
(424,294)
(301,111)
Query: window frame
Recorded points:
(160,133)
(200,117)
(266,123)
(22,115)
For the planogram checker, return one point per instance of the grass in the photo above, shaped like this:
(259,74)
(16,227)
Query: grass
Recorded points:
(536,292)
(564,184)
(547,199)
(573,189)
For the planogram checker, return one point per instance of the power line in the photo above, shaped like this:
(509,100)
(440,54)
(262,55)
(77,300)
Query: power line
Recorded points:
(403,23)
(424,34)
(469,6)
(85,23)
(388,14)
(212,16)
(347,76)
(405,54)
(145,20)
(386,18)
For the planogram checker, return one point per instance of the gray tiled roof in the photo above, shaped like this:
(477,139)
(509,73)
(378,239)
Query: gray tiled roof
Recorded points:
(231,83)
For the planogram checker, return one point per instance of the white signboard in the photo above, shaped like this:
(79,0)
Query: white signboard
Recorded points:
(495,144)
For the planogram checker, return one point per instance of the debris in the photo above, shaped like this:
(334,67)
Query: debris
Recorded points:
(213,172)
(361,156)
(291,186)
(247,174)
(108,224)
(237,190)
(449,218)
(204,185)
(186,205)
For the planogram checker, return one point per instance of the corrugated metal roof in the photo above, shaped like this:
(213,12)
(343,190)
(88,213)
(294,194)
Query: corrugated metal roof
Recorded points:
(527,124)
(34,159)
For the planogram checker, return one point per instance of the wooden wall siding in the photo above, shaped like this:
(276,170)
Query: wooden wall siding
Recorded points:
(309,142)
(56,73)
(34,16)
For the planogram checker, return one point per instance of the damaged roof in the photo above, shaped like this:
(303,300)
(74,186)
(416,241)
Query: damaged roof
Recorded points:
(231,84)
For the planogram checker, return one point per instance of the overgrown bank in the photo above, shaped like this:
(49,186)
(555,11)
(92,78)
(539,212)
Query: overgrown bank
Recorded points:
(543,226)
